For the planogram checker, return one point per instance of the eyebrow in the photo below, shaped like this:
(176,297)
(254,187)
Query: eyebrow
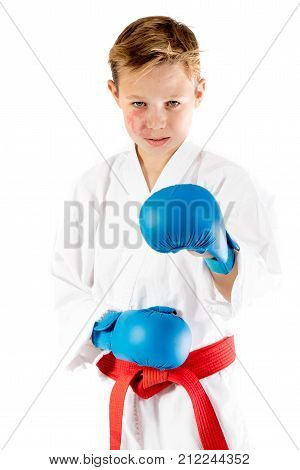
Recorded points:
(130,97)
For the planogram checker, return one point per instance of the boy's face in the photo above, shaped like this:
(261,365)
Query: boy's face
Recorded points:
(156,105)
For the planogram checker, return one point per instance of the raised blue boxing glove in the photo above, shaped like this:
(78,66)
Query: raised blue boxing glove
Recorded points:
(188,217)
(153,337)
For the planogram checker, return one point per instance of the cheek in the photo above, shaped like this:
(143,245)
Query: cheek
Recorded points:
(183,118)
(135,121)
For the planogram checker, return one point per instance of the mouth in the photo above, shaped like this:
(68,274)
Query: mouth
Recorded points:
(158,141)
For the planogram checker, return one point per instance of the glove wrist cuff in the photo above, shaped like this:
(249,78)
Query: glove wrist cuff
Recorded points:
(219,266)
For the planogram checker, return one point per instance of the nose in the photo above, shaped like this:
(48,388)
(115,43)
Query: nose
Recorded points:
(156,118)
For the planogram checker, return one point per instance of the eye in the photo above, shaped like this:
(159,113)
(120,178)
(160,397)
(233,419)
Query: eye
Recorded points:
(137,103)
(175,104)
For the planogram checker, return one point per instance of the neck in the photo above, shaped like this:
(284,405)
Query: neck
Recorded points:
(152,163)
(151,166)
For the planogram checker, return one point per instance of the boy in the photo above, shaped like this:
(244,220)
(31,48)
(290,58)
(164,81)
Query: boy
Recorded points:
(156,83)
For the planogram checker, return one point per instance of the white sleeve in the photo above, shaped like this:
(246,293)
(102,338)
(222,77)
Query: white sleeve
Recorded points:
(249,217)
(72,269)
(252,224)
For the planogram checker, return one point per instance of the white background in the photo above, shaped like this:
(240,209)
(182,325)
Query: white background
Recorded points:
(43,148)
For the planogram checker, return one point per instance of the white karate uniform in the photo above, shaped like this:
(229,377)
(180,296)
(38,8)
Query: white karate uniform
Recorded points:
(130,275)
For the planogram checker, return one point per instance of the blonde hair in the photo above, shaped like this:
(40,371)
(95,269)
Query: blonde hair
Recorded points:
(155,40)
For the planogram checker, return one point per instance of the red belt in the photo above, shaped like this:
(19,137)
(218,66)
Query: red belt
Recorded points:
(147,381)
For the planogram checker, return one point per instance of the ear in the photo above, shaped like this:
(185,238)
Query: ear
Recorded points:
(114,91)
(199,92)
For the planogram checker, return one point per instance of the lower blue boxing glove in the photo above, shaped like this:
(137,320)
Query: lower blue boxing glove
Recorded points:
(153,337)
(188,217)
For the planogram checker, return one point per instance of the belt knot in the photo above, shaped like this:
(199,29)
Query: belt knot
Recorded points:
(152,376)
